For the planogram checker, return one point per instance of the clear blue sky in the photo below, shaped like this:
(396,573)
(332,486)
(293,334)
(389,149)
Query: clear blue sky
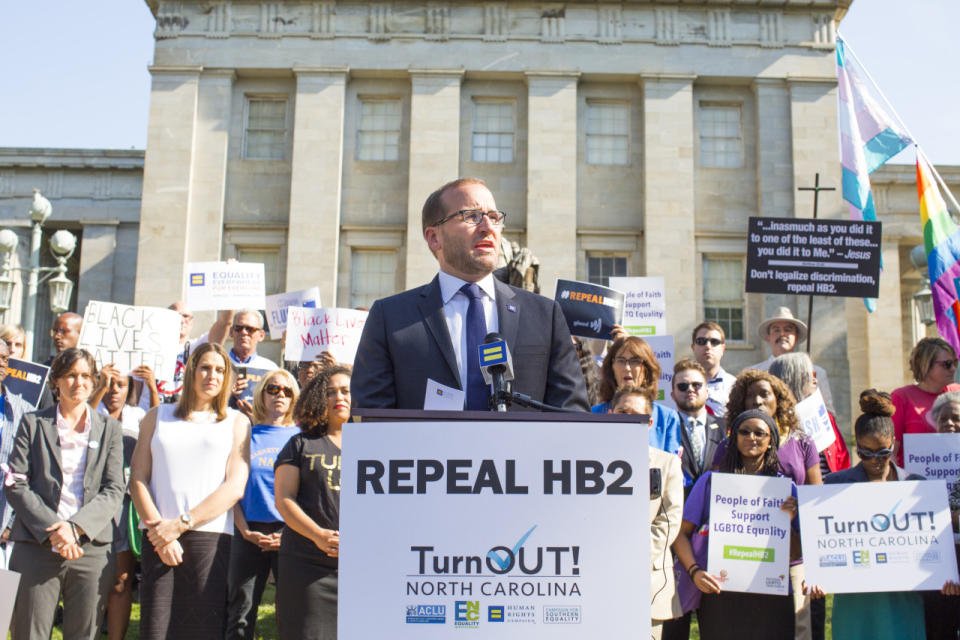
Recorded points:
(74,74)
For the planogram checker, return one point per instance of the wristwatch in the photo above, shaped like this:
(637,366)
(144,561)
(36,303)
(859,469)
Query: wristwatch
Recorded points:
(187,520)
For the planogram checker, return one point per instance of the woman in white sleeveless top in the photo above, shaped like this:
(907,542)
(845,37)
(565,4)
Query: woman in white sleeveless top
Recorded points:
(189,468)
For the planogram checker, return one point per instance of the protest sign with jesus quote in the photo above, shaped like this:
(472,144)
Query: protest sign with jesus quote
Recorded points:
(310,332)
(131,336)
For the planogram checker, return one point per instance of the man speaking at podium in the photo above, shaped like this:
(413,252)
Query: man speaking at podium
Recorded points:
(434,331)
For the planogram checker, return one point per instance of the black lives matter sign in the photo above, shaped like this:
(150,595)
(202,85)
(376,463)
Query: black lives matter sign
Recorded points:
(818,257)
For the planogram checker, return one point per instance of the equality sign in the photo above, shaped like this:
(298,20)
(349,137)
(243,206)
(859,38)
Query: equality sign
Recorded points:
(815,421)
(499,539)
(663,348)
(644,307)
(749,542)
(26,379)
(212,286)
(277,308)
(590,310)
(806,256)
(935,456)
(131,336)
(310,332)
(877,536)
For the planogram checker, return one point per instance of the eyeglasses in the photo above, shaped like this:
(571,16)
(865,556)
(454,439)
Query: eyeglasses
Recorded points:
(683,386)
(474,216)
(749,433)
(276,389)
(866,454)
(633,363)
(241,328)
(713,342)
(947,364)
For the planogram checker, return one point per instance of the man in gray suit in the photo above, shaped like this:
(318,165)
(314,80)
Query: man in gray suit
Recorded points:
(433,331)
(12,408)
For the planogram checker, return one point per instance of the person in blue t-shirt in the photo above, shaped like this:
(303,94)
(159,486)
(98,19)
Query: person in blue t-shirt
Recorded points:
(630,360)
(253,553)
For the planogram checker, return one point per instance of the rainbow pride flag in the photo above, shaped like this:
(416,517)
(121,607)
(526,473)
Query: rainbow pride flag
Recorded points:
(941,239)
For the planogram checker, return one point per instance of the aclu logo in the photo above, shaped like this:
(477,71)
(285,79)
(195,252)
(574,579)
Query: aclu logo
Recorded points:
(426,613)
(928,557)
(833,560)
(565,614)
(466,614)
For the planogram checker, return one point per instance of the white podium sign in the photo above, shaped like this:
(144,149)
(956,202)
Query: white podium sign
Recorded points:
(512,529)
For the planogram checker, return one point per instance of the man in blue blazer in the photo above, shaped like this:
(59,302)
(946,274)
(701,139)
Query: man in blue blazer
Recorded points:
(431,332)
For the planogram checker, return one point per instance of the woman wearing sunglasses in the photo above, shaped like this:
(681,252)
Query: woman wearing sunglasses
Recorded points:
(881,615)
(751,450)
(256,541)
(307,491)
(933,363)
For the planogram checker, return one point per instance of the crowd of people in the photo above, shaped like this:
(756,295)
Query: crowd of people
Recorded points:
(215,491)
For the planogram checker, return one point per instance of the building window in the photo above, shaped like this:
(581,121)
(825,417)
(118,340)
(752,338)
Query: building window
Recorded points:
(723,288)
(373,275)
(608,133)
(266,133)
(493,128)
(272,265)
(601,268)
(378,135)
(721,138)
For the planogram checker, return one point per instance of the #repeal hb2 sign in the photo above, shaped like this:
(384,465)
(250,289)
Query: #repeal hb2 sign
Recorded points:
(819,257)
(512,529)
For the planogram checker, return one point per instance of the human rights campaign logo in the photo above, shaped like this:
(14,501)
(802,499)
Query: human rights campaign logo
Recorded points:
(196,279)
(495,613)
(493,353)
(426,613)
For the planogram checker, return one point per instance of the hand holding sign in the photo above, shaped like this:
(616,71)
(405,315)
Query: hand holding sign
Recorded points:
(131,336)
(310,332)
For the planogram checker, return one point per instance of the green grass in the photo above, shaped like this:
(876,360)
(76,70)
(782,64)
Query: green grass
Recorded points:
(267,621)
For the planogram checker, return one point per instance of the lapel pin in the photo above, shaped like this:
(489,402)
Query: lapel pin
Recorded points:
(512,308)
(93,444)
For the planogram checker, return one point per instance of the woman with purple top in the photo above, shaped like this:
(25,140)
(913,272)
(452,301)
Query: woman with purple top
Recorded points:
(256,541)
(797,456)
(752,450)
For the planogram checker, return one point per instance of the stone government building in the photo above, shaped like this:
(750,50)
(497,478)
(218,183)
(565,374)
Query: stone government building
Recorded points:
(630,138)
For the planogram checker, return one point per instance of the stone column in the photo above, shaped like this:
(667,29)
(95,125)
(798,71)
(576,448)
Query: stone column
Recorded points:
(97,262)
(167,170)
(434,157)
(813,128)
(669,246)
(552,174)
(774,162)
(313,237)
(874,339)
(209,179)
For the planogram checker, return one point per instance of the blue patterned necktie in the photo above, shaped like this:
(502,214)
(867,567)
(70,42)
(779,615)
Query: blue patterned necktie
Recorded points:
(478,393)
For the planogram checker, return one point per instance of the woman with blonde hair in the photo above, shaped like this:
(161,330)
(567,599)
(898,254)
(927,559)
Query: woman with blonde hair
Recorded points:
(190,467)
(256,541)
(16,337)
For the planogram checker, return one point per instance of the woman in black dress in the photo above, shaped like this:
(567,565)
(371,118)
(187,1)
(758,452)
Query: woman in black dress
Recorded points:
(307,487)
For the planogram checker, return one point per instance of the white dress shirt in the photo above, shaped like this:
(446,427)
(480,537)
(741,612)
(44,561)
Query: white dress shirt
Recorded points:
(455,306)
(718,392)
(73,462)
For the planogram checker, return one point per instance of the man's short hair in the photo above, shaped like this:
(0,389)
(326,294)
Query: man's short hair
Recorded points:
(711,326)
(685,365)
(250,312)
(632,390)
(433,207)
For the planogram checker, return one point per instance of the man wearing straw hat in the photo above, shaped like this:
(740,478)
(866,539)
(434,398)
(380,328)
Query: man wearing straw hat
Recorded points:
(783,332)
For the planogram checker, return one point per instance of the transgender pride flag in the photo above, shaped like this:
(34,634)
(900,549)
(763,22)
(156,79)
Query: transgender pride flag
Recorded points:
(868,136)
(941,239)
